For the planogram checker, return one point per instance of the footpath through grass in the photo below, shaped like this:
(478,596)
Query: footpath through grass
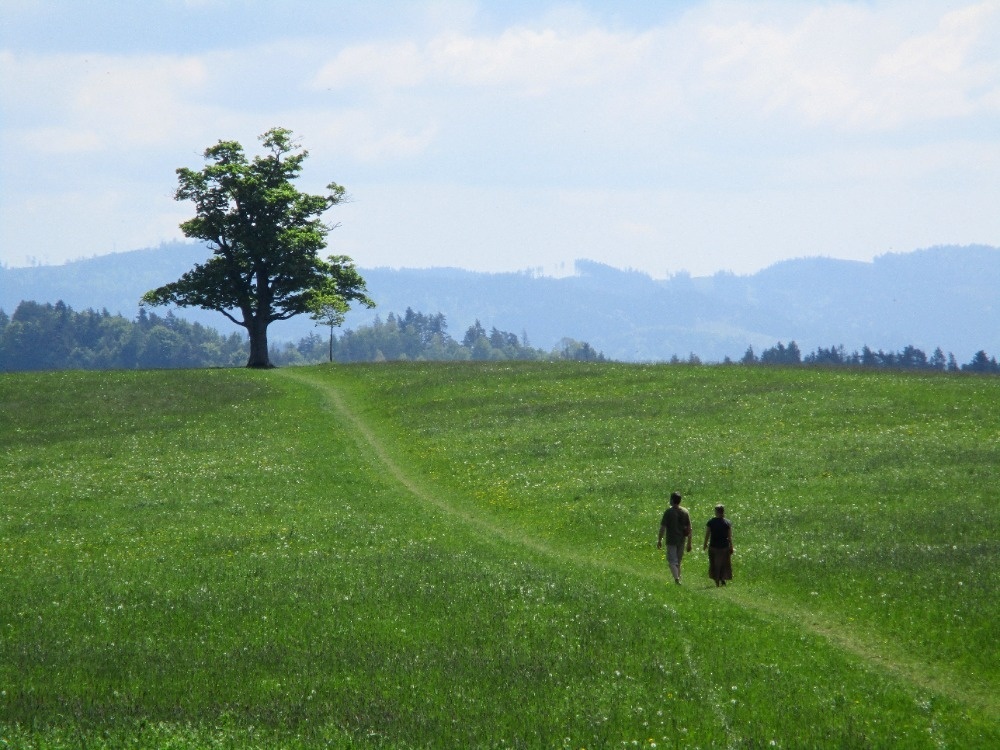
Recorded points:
(463,556)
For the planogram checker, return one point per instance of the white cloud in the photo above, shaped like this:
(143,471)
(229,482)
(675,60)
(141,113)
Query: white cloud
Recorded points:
(140,101)
(702,133)
(952,71)
(536,62)
(376,65)
(531,62)
(856,67)
(845,66)
(94,102)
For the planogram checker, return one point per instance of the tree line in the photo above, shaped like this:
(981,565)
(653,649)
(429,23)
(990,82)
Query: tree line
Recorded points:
(909,358)
(419,336)
(55,337)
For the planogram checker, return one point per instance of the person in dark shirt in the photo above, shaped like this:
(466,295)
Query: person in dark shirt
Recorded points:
(676,526)
(719,543)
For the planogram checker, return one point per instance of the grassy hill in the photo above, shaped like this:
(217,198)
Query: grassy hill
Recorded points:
(441,555)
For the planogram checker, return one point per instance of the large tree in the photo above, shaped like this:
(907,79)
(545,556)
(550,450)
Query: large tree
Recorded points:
(265,237)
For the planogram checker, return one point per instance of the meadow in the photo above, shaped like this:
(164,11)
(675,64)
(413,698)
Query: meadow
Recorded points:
(463,555)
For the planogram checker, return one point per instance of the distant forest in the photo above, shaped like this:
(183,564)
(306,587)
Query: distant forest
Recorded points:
(55,337)
(910,358)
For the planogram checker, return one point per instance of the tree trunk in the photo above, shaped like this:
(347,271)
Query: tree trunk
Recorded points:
(258,345)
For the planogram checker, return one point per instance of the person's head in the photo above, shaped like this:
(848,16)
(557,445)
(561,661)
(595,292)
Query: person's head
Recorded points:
(720,510)
(675,498)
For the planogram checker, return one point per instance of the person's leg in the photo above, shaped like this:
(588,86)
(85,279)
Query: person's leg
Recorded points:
(674,560)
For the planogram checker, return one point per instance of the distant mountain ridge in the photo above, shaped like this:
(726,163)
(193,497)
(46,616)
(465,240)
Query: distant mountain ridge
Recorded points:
(947,296)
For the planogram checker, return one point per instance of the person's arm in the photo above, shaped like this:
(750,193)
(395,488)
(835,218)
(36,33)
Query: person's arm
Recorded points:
(729,535)
(708,534)
(659,539)
(690,534)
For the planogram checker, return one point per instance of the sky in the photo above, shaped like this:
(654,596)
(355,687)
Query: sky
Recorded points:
(665,137)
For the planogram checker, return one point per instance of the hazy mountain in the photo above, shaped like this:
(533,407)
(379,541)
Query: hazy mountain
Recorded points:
(941,296)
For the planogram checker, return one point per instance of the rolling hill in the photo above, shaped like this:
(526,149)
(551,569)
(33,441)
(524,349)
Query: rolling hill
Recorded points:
(937,297)
(418,555)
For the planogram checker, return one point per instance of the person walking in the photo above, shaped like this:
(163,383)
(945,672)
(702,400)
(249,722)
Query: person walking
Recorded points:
(676,526)
(719,543)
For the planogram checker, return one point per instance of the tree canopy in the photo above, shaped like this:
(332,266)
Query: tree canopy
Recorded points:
(265,237)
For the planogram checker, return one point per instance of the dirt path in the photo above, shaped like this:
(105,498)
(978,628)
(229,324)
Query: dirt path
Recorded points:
(371,442)
(879,656)
(886,657)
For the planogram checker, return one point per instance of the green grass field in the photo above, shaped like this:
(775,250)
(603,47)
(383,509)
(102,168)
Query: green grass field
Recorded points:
(459,555)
